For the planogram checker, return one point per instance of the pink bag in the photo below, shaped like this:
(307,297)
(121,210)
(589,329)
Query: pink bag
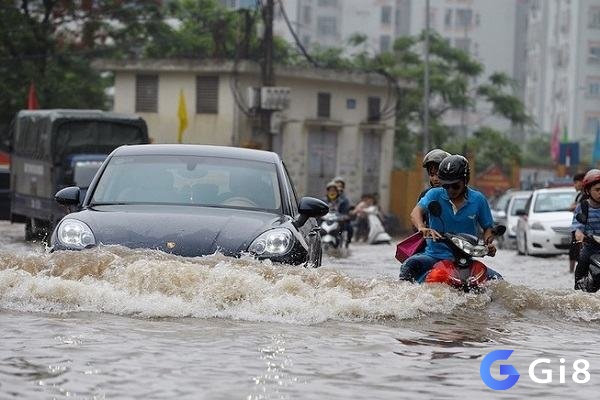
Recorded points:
(409,246)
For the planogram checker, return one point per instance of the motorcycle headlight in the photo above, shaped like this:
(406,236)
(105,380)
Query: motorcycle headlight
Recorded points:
(275,242)
(75,234)
(468,248)
(537,226)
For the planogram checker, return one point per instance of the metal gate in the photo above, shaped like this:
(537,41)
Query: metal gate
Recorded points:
(322,161)
(371,159)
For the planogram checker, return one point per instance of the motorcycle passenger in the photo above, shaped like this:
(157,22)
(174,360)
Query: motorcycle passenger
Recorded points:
(575,247)
(431,163)
(586,279)
(341,185)
(463,208)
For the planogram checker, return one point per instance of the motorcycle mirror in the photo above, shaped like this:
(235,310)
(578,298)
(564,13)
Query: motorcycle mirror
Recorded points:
(499,230)
(581,218)
(435,208)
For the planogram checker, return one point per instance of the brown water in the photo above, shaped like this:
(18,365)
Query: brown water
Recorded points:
(115,323)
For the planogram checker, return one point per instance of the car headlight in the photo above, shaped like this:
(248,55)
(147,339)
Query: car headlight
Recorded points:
(537,226)
(468,248)
(275,242)
(75,234)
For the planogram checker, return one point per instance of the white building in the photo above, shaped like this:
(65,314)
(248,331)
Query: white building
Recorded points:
(337,123)
(492,31)
(330,23)
(563,66)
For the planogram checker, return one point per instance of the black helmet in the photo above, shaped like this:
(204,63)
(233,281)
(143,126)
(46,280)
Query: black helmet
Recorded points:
(435,156)
(454,168)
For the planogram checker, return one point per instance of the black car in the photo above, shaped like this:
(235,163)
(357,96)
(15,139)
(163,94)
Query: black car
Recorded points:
(193,200)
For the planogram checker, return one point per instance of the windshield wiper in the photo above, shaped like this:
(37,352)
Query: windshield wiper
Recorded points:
(115,203)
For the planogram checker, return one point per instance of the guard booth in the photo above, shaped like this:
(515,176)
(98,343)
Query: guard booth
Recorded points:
(52,149)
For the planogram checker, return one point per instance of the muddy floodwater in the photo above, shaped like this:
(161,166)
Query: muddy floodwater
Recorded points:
(113,323)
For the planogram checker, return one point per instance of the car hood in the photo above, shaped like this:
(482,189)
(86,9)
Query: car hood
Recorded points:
(182,230)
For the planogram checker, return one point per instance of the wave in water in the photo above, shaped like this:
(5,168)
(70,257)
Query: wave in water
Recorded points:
(154,284)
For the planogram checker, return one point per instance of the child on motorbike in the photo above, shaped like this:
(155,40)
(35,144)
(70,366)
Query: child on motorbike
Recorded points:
(462,209)
(586,279)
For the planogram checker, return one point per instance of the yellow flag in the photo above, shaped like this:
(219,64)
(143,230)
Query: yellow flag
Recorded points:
(182,114)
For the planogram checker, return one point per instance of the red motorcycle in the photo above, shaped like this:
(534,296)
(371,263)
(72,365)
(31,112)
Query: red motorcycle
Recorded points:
(464,272)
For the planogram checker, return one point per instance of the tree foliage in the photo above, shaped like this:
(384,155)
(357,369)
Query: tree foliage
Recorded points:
(52,42)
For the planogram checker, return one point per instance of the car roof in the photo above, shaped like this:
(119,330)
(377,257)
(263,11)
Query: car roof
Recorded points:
(198,150)
(555,189)
(74,114)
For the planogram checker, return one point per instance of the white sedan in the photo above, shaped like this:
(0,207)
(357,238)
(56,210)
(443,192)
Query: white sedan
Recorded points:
(544,224)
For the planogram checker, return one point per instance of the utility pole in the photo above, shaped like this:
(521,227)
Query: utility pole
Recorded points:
(426,89)
(267,76)
(426,83)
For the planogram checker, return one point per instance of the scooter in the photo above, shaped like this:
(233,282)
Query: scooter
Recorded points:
(464,272)
(377,233)
(333,236)
(591,282)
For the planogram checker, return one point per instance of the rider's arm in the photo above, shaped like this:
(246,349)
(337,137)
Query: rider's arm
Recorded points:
(416,217)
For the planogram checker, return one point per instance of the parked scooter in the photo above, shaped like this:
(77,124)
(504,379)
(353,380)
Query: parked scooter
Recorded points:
(464,272)
(377,233)
(333,236)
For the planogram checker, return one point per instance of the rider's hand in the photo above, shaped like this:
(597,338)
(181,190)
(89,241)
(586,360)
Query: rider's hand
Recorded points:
(579,236)
(491,250)
(430,233)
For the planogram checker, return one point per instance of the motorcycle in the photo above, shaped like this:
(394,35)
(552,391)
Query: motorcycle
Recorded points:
(591,282)
(333,234)
(377,233)
(464,272)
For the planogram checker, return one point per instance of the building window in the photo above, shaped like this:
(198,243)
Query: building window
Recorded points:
(386,15)
(306,15)
(146,93)
(323,105)
(373,109)
(592,124)
(207,94)
(385,43)
(448,18)
(327,3)
(594,17)
(593,86)
(594,52)
(463,44)
(327,26)
(464,18)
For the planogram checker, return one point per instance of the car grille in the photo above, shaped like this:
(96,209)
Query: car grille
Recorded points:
(562,230)
(562,246)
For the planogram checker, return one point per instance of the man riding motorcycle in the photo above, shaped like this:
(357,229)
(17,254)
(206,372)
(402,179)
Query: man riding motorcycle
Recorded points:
(462,209)
(586,225)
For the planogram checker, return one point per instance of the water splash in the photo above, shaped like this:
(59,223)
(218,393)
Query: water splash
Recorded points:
(148,283)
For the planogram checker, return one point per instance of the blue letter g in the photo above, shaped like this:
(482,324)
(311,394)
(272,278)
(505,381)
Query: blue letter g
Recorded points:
(488,379)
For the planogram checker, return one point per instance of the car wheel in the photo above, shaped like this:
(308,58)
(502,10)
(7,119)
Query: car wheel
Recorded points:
(519,245)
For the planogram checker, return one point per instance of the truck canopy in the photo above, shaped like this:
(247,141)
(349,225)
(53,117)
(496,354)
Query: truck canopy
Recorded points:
(53,135)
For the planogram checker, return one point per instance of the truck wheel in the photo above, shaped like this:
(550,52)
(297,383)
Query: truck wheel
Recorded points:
(29,233)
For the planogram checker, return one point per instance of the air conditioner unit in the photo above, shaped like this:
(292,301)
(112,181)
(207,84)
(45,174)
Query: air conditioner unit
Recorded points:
(274,97)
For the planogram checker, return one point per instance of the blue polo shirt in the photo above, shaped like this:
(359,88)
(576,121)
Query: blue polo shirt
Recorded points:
(474,211)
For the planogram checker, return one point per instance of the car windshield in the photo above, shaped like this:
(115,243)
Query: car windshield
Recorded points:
(555,201)
(502,201)
(188,180)
(518,204)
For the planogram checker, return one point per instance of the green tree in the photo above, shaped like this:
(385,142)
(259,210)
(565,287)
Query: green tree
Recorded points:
(52,42)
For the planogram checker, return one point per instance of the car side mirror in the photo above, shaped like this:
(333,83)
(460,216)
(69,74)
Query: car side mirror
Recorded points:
(521,212)
(581,218)
(498,230)
(310,207)
(68,196)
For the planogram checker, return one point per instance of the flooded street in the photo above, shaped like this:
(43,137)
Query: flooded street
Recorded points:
(113,323)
